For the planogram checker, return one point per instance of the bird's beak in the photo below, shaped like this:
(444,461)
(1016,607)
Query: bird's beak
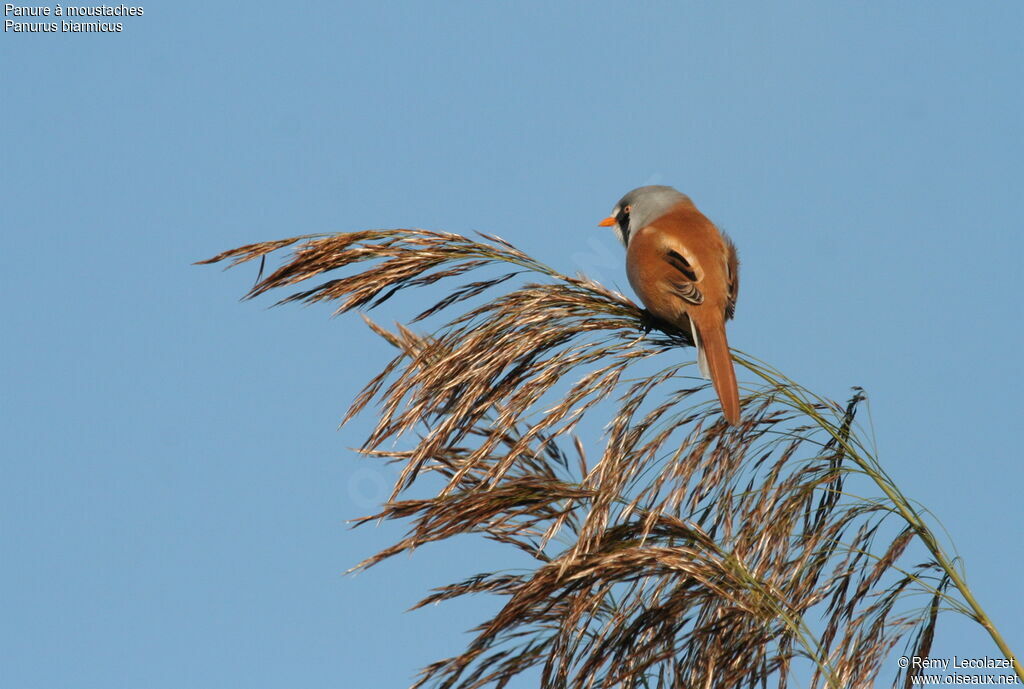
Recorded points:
(608,222)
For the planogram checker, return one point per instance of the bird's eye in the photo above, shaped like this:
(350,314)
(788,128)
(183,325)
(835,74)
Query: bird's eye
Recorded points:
(627,209)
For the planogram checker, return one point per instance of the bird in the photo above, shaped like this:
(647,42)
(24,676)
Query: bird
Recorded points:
(686,273)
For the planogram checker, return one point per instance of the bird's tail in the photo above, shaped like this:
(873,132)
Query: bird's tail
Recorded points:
(715,362)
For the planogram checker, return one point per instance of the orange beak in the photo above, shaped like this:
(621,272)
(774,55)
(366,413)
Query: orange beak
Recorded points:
(608,222)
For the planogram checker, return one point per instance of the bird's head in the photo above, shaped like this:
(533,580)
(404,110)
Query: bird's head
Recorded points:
(640,207)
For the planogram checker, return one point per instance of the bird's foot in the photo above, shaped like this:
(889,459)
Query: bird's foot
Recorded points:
(647,322)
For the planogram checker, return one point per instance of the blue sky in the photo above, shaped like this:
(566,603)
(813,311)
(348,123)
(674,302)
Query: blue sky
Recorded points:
(174,490)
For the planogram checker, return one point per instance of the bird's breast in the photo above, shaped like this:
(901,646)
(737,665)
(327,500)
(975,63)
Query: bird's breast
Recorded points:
(650,276)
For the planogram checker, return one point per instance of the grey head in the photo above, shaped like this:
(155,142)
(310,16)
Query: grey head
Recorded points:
(640,207)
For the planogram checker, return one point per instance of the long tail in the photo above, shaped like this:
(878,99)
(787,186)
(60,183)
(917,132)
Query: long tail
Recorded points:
(716,363)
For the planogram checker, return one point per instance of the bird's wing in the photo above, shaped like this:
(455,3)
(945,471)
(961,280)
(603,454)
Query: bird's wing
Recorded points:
(686,272)
(732,273)
(683,279)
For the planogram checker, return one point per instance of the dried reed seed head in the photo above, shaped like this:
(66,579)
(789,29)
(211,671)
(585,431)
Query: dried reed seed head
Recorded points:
(688,554)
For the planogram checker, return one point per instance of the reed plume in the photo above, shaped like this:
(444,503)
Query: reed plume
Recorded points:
(669,549)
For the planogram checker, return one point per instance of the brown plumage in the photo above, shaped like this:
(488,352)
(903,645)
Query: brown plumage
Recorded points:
(686,273)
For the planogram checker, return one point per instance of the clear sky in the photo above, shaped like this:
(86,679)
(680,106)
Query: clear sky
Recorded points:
(174,491)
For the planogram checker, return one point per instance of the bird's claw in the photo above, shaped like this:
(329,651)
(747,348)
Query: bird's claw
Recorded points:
(646,322)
